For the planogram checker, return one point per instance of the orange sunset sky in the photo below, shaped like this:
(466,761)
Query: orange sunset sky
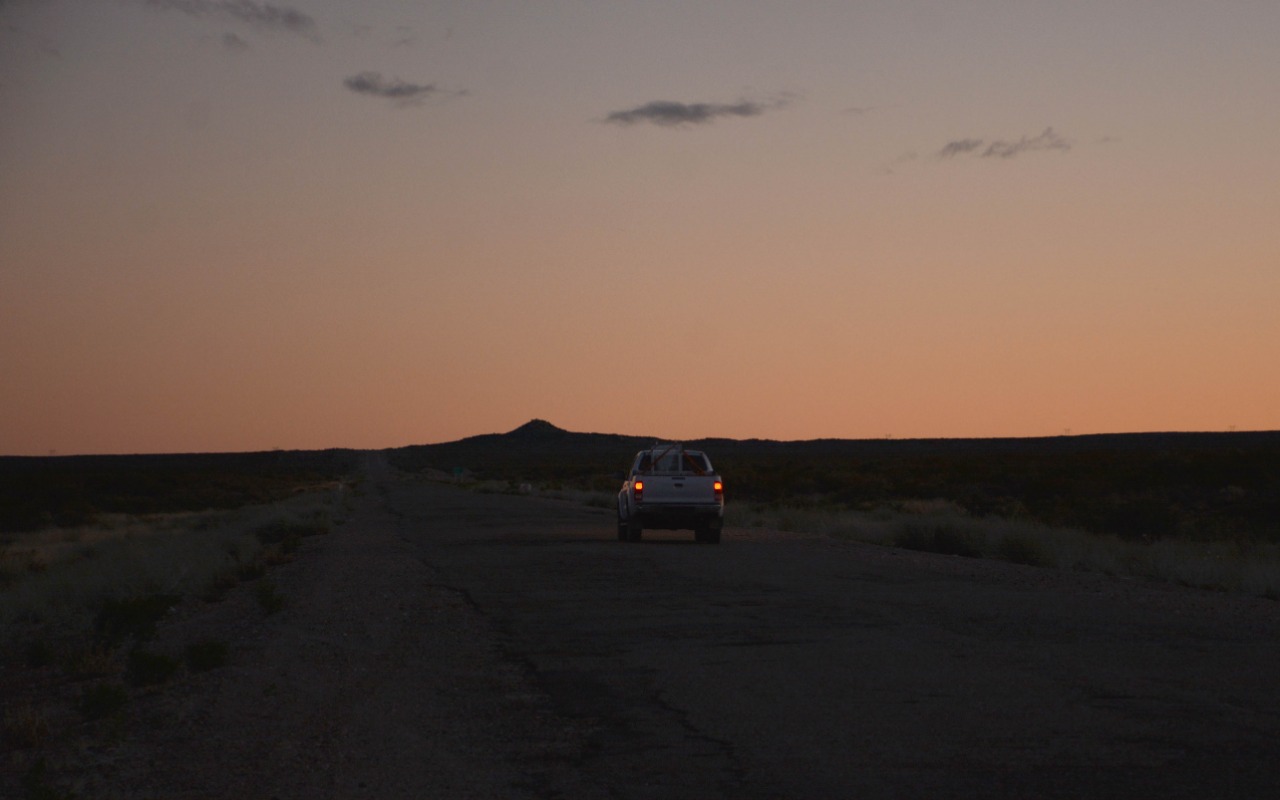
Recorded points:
(241,225)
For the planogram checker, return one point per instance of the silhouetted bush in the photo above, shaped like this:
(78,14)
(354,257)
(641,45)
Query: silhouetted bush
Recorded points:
(269,598)
(205,655)
(149,669)
(101,700)
(132,617)
(937,537)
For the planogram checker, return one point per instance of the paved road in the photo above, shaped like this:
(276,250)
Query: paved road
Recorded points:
(789,666)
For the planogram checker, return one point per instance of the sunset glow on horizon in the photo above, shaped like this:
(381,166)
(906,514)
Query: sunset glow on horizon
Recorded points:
(303,224)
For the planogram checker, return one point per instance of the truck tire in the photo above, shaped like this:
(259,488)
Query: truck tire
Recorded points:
(633,530)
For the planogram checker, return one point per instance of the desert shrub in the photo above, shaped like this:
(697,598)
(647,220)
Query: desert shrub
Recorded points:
(36,786)
(251,571)
(149,669)
(93,661)
(937,536)
(216,587)
(205,655)
(1143,517)
(132,617)
(269,597)
(25,726)
(1024,549)
(39,653)
(290,544)
(102,700)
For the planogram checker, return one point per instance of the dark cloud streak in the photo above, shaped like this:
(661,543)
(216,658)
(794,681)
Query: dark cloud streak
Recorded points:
(234,43)
(404,93)
(959,147)
(267,16)
(1046,140)
(668,113)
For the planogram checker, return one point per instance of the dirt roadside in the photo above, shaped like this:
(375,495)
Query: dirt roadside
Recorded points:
(371,681)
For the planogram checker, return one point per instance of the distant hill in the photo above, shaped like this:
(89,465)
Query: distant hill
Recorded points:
(537,429)
(536,450)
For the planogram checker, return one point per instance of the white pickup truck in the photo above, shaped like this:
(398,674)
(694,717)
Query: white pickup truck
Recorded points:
(671,488)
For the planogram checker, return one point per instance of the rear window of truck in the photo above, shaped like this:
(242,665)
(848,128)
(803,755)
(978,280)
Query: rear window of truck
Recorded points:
(686,461)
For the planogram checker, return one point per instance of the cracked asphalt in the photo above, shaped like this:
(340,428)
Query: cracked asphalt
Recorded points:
(779,665)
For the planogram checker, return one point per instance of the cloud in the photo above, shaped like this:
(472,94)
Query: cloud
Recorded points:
(959,147)
(233,42)
(268,16)
(404,93)
(1047,140)
(405,36)
(668,113)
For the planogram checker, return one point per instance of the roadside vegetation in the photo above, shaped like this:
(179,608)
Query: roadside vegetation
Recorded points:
(939,527)
(110,582)
(84,595)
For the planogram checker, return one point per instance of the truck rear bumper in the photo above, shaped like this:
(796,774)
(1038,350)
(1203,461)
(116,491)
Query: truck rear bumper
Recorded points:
(680,517)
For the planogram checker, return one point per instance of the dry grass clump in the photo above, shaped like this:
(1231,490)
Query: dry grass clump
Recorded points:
(83,660)
(25,726)
(205,655)
(269,597)
(68,591)
(102,700)
(149,669)
(944,528)
(36,786)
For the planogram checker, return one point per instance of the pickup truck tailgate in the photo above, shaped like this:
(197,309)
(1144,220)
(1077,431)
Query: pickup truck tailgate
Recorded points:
(679,489)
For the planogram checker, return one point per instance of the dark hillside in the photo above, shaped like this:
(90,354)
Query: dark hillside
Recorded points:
(536,451)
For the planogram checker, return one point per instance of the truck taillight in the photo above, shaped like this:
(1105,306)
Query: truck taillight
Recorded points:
(719,489)
(638,486)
